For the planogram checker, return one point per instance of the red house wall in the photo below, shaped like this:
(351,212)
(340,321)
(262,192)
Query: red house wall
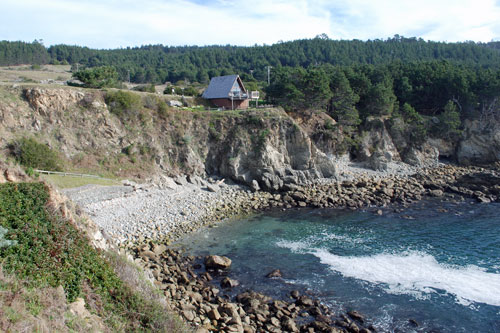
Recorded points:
(226,103)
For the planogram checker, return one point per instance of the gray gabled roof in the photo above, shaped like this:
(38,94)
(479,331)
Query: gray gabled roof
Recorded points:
(220,86)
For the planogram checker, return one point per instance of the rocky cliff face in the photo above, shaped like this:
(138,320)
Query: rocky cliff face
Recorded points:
(269,154)
(265,149)
(481,143)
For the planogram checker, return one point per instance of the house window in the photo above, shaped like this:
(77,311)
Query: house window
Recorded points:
(236,90)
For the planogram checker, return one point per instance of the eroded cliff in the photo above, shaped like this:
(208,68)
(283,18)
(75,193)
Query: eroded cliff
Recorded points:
(265,149)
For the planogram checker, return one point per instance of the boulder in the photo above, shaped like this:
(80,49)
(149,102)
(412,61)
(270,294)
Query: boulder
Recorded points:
(212,188)
(254,185)
(229,283)
(305,301)
(274,274)
(217,262)
(181,180)
(356,316)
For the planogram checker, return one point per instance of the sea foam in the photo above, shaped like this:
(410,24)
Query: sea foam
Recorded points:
(414,273)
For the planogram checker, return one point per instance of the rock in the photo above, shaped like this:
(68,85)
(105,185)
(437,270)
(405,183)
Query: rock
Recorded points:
(159,249)
(289,324)
(305,301)
(295,294)
(275,322)
(78,308)
(436,193)
(181,180)
(217,262)
(302,204)
(378,161)
(356,316)
(149,255)
(189,315)
(168,182)
(127,182)
(275,274)
(380,212)
(254,185)
(229,283)
(10,176)
(214,314)
(175,103)
(413,322)
(212,188)
(482,199)
(427,156)
(481,144)
(183,278)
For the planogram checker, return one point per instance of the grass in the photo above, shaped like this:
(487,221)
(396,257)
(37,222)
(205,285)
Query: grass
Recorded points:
(61,181)
(50,252)
(46,72)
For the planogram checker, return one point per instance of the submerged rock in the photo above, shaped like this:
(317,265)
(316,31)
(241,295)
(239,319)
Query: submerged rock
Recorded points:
(274,274)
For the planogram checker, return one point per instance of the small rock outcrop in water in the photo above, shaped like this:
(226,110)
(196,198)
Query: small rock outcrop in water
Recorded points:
(217,262)
(274,274)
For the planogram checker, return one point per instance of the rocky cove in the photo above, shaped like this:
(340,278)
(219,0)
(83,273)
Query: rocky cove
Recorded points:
(187,281)
(237,163)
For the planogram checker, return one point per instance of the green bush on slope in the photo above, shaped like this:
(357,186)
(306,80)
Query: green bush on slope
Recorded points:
(32,154)
(49,251)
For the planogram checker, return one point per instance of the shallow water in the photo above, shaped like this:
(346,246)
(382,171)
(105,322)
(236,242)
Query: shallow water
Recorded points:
(436,263)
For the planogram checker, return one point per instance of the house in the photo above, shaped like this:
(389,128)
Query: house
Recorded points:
(227,92)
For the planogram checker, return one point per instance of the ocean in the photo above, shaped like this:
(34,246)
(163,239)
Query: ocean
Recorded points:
(430,267)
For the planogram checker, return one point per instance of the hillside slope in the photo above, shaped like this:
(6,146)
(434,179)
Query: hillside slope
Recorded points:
(59,274)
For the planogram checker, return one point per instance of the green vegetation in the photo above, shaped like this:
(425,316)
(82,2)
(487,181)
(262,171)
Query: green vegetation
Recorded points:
(50,252)
(259,140)
(448,125)
(145,88)
(123,103)
(414,92)
(32,154)
(98,77)
(158,63)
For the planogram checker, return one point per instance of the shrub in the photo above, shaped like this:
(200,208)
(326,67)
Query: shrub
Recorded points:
(32,154)
(98,77)
(122,103)
(146,88)
(162,109)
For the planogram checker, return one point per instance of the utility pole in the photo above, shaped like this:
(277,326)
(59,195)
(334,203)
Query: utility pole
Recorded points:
(269,74)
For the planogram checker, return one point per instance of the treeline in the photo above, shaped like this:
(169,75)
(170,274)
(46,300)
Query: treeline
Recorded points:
(427,97)
(158,63)
(18,53)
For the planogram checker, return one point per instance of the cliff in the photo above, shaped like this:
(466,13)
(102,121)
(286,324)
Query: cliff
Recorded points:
(266,149)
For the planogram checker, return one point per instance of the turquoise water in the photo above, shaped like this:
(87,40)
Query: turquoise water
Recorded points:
(436,263)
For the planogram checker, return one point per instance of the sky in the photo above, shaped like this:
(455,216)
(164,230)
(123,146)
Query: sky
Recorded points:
(107,24)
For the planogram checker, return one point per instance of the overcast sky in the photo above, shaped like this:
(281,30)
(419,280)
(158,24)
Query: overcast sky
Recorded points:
(122,23)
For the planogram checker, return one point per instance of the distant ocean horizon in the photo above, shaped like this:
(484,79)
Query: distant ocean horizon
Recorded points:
(435,263)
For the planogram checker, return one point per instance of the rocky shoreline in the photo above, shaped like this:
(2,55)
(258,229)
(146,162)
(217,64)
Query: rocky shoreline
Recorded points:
(186,281)
(186,284)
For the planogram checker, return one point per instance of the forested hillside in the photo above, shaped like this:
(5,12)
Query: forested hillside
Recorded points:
(158,63)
